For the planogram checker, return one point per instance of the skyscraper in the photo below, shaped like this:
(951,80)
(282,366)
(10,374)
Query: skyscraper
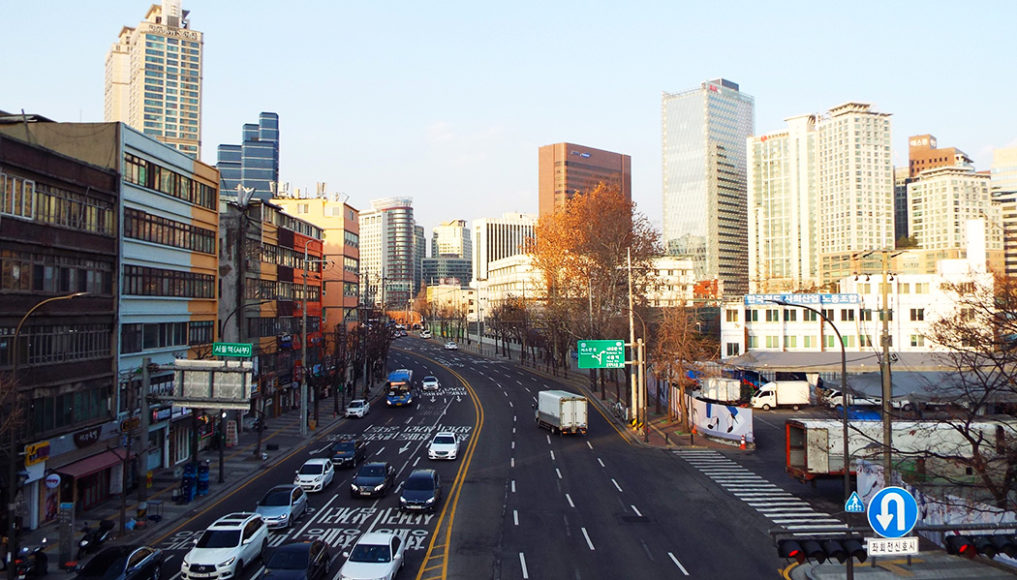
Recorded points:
(567,169)
(704,132)
(451,238)
(497,238)
(1003,175)
(388,256)
(255,162)
(153,78)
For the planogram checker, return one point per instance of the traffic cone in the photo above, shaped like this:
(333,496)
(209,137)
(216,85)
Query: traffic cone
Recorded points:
(693,428)
(742,444)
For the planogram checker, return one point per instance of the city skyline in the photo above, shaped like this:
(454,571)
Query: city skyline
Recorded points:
(449,106)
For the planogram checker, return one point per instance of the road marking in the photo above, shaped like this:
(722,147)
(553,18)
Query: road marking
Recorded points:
(569,499)
(513,444)
(522,562)
(552,455)
(512,461)
(590,445)
(679,564)
(515,516)
(636,510)
(558,471)
(618,487)
(588,541)
(601,462)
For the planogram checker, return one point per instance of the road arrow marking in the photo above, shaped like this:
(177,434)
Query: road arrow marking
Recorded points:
(404,449)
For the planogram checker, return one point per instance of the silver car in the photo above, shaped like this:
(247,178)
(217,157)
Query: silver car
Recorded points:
(282,505)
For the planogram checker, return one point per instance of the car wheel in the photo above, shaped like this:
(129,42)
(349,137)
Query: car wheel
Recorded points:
(264,548)
(240,567)
(157,571)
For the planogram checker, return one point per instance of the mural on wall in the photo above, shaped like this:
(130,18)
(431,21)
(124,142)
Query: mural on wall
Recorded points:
(722,421)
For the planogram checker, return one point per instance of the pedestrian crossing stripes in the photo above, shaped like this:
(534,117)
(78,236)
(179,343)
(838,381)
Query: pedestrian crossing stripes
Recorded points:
(770,500)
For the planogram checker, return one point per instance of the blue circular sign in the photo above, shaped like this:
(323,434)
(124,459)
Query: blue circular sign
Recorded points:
(892,512)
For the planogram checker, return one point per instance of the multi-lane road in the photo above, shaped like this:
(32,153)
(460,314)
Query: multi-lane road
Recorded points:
(522,503)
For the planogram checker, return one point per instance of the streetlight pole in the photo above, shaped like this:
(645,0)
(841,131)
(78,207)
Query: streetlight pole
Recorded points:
(12,459)
(303,349)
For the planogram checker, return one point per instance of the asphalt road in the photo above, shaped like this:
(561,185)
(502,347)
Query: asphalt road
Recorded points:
(523,503)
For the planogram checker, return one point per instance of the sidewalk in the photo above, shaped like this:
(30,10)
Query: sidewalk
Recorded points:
(280,438)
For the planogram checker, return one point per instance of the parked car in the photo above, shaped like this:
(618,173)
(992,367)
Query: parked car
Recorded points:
(299,561)
(282,505)
(372,480)
(226,547)
(451,346)
(444,445)
(430,383)
(315,474)
(127,562)
(358,408)
(375,555)
(349,451)
(421,491)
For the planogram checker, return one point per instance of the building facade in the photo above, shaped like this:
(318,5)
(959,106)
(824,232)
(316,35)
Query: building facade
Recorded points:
(567,169)
(1003,181)
(782,208)
(444,269)
(498,238)
(254,164)
(388,252)
(924,154)
(154,78)
(704,133)
(942,200)
(451,239)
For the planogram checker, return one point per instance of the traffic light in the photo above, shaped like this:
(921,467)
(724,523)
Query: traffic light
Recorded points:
(821,549)
(988,545)
(959,546)
(1005,544)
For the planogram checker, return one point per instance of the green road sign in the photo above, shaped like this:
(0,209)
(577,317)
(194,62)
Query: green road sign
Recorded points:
(601,354)
(244,349)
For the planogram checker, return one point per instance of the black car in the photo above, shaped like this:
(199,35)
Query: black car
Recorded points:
(128,562)
(349,452)
(421,491)
(299,561)
(372,479)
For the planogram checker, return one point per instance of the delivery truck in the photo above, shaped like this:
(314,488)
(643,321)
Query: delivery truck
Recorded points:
(561,411)
(720,389)
(793,394)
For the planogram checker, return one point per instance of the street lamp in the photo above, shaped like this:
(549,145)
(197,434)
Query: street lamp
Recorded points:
(222,442)
(12,472)
(843,391)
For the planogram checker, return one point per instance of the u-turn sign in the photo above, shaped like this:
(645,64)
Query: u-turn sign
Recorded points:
(893,512)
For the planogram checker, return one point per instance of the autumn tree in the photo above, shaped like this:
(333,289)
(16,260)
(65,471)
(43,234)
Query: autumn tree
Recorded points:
(677,345)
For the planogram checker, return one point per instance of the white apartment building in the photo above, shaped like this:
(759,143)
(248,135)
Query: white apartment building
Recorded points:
(451,239)
(915,301)
(855,186)
(154,78)
(782,208)
(942,200)
(497,238)
(673,282)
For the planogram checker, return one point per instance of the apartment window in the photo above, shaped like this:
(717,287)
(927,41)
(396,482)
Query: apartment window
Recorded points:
(731,316)
(141,225)
(731,348)
(200,332)
(752,315)
(847,315)
(753,342)
(809,316)
(917,314)
(889,315)
(865,340)
(790,315)
(917,340)
(828,314)
(772,315)
(17,196)
(60,343)
(790,342)
(144,281)
(809,341)
(865,314)
(772,342)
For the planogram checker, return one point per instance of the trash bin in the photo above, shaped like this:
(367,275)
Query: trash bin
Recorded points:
(203,478)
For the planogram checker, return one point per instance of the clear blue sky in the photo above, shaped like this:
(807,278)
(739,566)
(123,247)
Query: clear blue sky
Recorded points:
(447,102)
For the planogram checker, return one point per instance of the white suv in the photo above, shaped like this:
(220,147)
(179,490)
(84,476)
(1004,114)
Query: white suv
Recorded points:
(229,544)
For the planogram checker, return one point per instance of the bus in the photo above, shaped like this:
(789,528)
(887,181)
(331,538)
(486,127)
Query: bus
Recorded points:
(400,388)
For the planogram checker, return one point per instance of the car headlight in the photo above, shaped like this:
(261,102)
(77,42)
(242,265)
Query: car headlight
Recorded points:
(228,562)
(379,487)
(402,500)
(429,501)
(353,487)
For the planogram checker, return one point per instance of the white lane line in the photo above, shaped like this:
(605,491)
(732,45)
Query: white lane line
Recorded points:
(590,445)
(601,462)
(513,486)
(569,499)
(636,510)
(513,444)
(320,510)
(679,564)
(512,462)
(515,516)
(552,455)
(522,562)
(548,439)
(618,487)
(558,471)
(588,541)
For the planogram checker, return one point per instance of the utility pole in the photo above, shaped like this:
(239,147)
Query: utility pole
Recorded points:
(632,341)
(885,368)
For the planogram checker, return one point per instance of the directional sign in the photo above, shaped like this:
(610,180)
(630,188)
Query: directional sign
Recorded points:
(243,349)
(601,354)
(854,504)
(893,512)
(891,546)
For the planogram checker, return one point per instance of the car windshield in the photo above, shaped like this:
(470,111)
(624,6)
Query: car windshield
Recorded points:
(288,560)
(108,564)
(344,446)
(370,553)
(373,470)
(312,469)
(430,380)
(356,404)
(444,440)
(276,498)
(219,539)
(419,483)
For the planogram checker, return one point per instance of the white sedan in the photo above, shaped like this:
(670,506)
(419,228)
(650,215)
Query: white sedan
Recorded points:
(315,474)
(358,408)
(445,445)
(451,346)
(376,555)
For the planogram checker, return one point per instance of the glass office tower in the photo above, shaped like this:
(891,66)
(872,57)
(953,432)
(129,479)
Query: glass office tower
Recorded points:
(255,162)
(704,134)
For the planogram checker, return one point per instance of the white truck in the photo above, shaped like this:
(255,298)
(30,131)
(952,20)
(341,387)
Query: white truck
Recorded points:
(561,411)
(720,389)
(794,394)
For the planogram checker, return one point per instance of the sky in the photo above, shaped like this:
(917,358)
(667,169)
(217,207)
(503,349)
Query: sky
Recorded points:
(447,102)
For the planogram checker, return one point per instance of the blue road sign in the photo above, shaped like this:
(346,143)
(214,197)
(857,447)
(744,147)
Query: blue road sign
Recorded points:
(893,512)
(854,504)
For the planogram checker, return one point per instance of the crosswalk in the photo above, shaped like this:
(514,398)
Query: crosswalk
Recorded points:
(782,507)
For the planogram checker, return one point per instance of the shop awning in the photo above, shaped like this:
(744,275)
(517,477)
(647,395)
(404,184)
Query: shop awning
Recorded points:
(90,465)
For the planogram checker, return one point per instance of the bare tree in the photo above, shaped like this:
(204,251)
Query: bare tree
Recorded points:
(677,344)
